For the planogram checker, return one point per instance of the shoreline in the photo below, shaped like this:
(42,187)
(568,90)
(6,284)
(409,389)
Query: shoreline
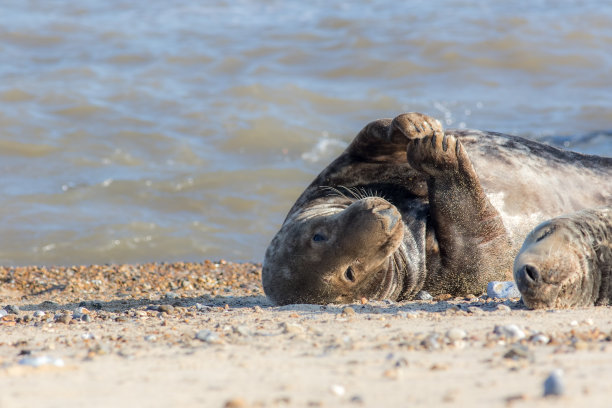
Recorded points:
(203,334)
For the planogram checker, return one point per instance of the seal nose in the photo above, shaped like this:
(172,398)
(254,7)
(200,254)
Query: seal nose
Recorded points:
(390,214)
(530,273)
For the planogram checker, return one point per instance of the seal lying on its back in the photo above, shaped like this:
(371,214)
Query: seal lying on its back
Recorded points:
(408,207)
(567,261)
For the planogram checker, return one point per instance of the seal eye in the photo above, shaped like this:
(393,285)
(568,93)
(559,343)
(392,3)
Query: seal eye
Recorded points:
(349,275)
(546,233)
(319,238)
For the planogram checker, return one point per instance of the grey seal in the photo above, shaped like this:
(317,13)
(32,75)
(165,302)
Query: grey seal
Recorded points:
(409,207)
(567,261)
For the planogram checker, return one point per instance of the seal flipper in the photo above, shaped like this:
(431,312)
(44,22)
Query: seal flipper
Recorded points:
(472,240)
(385,140)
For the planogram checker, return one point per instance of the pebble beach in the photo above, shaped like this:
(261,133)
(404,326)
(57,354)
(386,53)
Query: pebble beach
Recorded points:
(203,334)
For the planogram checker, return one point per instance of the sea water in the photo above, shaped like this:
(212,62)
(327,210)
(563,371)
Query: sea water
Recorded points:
(135,131)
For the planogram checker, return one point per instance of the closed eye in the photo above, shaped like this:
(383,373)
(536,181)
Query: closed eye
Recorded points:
(319,238)
(545,233)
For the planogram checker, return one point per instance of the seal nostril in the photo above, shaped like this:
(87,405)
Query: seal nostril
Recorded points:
(349,274)
(531,272)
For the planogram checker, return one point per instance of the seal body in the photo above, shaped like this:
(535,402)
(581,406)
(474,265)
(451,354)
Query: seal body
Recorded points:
(409,207)
(567,261)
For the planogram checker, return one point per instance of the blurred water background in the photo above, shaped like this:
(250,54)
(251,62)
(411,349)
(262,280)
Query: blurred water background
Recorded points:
(136,131)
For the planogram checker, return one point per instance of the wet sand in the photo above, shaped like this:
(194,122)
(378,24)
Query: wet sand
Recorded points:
(160,335)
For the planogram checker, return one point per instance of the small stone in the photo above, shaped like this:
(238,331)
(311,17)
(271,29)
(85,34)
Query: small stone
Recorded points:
(503,308)
(242,330)
(553,385)
(474,310)
(402,362)
(150,337)
(423,295)
(166,309)
(514,398)
(235,403)
(10,318)
(91,304)
(356,399)
(510,331)
(540,339)
(86,318)
(39,313)
(42,361)
(208,336)
(257,309)
(348,311)
(456,334)
(3,313)
(438,367)
(581,345)
(99,350)
(392,373)
(62,318)
(121,319)
(201,308)
(12,309)
(443,296)
(338,390)
(431,342)
(171,295)
(502,290)
(519,352)
(292,328)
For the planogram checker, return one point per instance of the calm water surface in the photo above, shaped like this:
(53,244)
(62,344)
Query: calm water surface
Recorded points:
(138,131)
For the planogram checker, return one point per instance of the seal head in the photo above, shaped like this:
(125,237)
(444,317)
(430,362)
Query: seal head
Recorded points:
(335,250)
(565,262)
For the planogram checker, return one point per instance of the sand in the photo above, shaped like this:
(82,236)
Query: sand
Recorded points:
(163,335)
